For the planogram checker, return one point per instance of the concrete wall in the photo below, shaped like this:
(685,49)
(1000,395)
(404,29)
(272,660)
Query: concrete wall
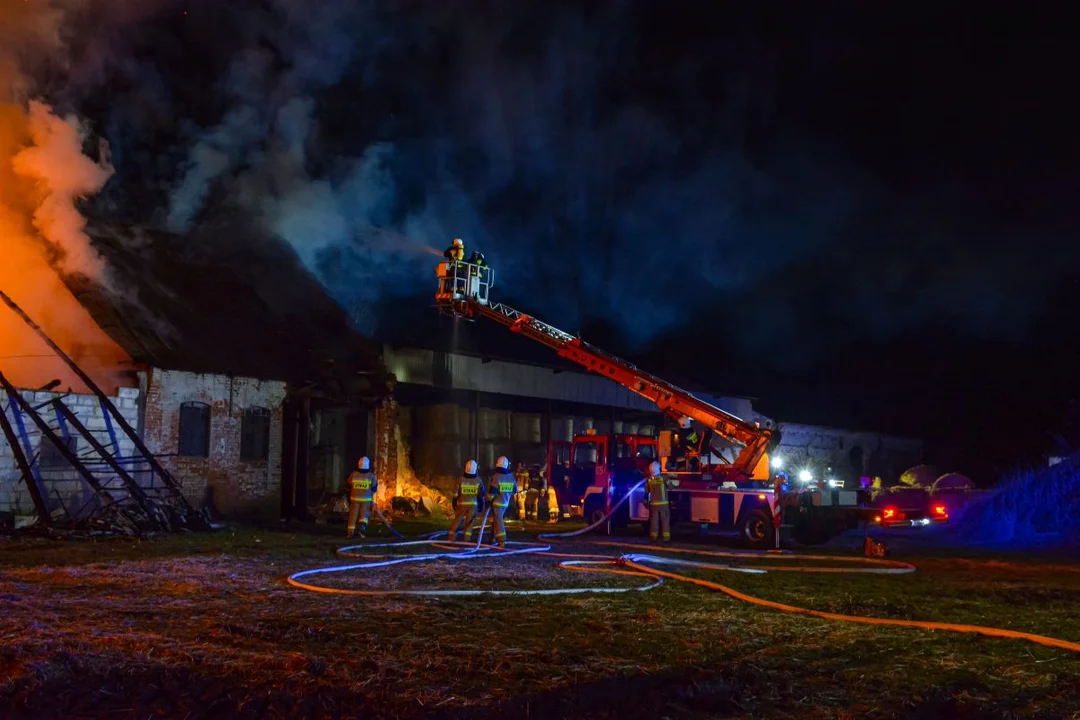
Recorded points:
(232,486)
(466,372)
(63,488)
(886,456)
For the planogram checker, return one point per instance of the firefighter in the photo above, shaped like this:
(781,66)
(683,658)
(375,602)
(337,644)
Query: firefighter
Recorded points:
(469,490)
(455,256)
(538,486)
(692,443)
(476,259)
(501,489)
(656,499)
(455,253)
(362,488)
(521,500)
(553,505)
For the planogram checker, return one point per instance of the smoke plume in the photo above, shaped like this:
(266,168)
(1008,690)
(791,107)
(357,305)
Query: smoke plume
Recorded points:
(43,173)
(610,159)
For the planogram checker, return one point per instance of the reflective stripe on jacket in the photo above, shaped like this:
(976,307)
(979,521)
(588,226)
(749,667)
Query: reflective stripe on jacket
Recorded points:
(468,490)
(656,490)
(502,487)
(362,486)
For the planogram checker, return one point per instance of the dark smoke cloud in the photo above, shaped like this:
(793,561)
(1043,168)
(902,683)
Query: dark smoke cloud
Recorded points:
(608,161)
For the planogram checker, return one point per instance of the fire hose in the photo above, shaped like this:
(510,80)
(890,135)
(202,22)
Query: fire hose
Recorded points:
(639,565)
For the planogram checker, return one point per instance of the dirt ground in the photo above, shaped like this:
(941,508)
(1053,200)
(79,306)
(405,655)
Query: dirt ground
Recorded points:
(206,626)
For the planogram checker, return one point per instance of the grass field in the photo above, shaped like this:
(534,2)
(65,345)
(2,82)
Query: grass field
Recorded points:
(206,626)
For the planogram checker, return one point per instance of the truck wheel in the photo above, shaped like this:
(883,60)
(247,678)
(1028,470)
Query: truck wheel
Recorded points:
(594,512)
(756,530)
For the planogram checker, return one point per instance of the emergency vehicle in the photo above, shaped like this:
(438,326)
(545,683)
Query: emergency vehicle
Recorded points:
(727,488)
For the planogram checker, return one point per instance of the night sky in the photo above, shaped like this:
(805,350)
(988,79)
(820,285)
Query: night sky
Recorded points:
(863,216)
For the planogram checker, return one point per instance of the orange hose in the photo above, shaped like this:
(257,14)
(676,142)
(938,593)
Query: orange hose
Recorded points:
(900,567)
(952,627)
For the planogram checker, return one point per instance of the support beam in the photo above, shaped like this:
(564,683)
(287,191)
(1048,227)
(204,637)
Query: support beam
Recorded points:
(136,492)
(24,467)
(64,450)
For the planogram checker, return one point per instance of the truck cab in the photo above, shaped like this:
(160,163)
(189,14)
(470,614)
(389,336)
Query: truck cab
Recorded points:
(604,467)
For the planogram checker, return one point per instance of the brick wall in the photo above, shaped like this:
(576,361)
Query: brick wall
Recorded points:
(233,487)
(63,488)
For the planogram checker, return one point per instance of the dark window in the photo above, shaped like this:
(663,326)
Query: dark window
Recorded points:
(255,434)
(50,456)
(585,453)
(194,430)
(648,452)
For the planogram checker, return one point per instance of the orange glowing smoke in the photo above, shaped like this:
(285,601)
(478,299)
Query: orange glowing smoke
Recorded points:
(42,172)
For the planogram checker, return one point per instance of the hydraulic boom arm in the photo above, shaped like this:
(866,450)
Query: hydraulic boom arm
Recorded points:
(463,290)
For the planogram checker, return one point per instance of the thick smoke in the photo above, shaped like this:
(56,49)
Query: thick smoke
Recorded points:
(43,173)
(609,161)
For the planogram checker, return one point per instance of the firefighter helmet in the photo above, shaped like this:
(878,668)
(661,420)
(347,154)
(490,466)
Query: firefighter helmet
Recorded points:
(654,468)
(470,467)
(684,422)
(503,462)
(364,464)
(458,243)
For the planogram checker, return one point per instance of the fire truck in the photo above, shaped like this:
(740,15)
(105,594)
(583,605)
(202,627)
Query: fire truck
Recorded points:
(728,488)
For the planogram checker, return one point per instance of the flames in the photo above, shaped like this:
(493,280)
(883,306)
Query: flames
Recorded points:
(43,171)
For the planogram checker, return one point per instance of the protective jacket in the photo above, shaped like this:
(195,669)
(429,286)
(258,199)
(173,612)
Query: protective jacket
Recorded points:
(454,253)
(538,483)
(656,491)
(502,487)
(477,260)
(362,486)
(469,490)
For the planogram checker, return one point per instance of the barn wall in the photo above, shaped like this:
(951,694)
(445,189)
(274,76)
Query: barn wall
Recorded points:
(233,487)
(62,486)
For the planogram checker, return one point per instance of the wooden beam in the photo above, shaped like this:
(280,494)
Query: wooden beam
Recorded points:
(24,467)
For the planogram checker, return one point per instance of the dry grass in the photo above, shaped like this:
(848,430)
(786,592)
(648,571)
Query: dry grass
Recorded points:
(205,626)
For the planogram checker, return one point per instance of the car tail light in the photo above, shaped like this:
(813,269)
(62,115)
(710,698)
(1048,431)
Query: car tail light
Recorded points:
(889,513)
(940,511)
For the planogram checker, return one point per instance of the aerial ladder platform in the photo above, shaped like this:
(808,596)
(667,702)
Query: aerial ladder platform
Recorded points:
(464,291)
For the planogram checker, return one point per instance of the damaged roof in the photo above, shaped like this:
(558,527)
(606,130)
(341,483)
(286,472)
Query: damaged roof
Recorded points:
(227,301)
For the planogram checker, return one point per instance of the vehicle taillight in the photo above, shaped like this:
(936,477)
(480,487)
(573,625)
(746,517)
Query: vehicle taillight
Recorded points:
(940,510)
(889,513)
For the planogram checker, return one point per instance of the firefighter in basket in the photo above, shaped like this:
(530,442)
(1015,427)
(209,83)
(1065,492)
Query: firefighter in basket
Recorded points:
(455,253)
(362,488)
(469,489)
(501,489)
(656,499)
